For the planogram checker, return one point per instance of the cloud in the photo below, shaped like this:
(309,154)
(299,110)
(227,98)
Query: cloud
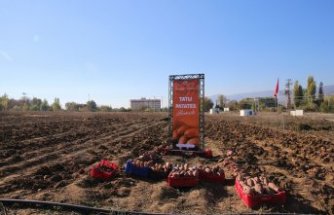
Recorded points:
(6,56)
(36,38)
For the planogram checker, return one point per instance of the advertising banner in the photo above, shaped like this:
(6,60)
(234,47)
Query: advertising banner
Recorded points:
(186,108)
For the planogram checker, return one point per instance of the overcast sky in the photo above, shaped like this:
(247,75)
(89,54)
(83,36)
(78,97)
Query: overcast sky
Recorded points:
(112,51)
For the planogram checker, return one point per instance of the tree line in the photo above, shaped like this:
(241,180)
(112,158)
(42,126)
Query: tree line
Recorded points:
(37,104)
(310,99)
(307,98)
(245,103)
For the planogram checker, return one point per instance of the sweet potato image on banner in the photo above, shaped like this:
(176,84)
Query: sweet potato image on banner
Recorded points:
(191,132)
(181,130)
(183,140)
(194,141)
(176,136)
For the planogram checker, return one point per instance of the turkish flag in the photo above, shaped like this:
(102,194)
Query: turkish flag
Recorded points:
(276,88)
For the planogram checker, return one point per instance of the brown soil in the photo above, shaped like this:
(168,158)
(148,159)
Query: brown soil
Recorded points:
(46,156)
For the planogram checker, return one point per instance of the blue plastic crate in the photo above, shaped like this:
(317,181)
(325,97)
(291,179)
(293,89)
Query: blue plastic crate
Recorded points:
(158,175)
(131,169)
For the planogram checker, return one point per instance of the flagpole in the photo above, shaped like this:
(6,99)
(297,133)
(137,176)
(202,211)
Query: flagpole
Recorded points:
(276,93)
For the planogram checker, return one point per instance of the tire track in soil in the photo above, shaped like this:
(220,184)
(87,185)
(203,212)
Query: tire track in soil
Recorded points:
(77,150)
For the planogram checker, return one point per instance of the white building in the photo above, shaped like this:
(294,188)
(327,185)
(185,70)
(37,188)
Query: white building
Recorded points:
(144,104)
(247,112)
(297,113)
(214,110)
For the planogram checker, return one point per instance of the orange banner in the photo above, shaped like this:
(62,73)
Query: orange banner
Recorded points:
(186,107)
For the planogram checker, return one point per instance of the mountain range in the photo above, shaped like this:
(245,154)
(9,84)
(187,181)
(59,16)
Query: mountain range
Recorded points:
(328,90)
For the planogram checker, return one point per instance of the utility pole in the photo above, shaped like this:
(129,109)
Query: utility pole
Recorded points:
(288,93)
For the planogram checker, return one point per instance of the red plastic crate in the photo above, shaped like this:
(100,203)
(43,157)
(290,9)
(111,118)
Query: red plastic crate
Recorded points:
(96,172)
(207,153)
(182,182)
(213,178)
(253,201)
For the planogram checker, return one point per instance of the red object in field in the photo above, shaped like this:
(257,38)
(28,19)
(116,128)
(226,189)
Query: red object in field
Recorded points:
(253,201)
(276,88)
(208,153)
(182,182)
(103,170)
(210,177)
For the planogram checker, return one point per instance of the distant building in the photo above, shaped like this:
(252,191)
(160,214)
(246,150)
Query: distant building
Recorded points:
(247,112)
(145,104)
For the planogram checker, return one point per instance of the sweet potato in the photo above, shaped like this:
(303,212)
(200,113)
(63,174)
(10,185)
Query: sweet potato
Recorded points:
(183,170)
(250,182)
(273,186)
(207,170)
(258,185)
(258,188)
(247,189)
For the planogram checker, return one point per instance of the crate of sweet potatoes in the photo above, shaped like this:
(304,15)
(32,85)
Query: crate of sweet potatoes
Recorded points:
(256,191)
(212,174)
(137,168)
(103,170)
(183,176)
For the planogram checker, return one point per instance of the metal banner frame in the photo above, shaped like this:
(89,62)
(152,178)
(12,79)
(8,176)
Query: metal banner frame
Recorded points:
(200,77)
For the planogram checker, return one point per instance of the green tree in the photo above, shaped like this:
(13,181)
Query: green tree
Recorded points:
(267,102)
(324,107)
(221,101)
(123,109)
(25,102)
(56,105)
(72,106)
(233,105)
(45,105)
(298,94)
(327,105)
(26,106)
(208,104)
(91,105)
(105,108)
(4,100)
(36,104)
(330,102)
(321,93)
(311,89)
(246,103)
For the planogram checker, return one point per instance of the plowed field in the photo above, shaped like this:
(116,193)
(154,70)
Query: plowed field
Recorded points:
(46,156)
